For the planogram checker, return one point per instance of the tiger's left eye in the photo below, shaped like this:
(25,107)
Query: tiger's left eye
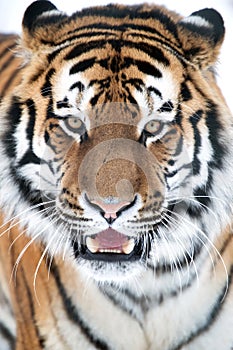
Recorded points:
(152,127)
(74,124)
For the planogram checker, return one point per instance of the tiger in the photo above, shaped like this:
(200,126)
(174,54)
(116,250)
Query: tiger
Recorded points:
(116,181)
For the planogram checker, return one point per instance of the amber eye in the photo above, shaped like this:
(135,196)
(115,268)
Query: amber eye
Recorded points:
(75,124)
(152,127)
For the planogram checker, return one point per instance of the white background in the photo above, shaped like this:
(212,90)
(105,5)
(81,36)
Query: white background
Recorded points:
(11,13)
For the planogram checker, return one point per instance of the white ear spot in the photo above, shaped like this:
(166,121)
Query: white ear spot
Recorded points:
(198,21)
(52,13)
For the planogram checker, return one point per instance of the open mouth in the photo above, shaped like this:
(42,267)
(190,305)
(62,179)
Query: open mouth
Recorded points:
(110,246)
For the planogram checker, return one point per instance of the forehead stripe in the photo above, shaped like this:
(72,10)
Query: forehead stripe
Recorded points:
(143,66)
(113,12)
(106,30)
(82,66)
(152,51)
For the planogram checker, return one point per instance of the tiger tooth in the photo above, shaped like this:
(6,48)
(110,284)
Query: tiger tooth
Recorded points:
(128,246)
(92,245)
(115,251)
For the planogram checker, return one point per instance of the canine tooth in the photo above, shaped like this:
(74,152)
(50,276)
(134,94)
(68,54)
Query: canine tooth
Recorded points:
(128,246)
(92,245)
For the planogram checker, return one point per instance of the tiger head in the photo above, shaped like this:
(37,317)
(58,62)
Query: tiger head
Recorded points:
(113,141)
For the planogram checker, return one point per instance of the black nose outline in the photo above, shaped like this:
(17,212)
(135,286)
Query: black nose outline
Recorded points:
(110,220)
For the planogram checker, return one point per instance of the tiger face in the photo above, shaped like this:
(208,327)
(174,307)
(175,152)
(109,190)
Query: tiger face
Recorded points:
(114,133)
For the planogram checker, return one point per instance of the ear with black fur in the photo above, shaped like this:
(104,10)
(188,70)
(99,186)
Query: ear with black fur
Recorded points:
(41,22)
(202,34)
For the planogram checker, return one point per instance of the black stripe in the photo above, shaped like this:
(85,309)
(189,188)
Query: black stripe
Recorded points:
(13,119)
(211,317)
(95,99)
(151,50)
(29,156)
(119,298)
(131,13)
(129,97)
(201,194)
(63,103)
(181,263)
(6,334)
(161,39)
(9,82)
(156,14)
(36,76)
(117,29)
(179,117)
(166,107)
(7,63)
(82,66)
(7,50)
(215,129)
(125,292)
(92,35)
(74,316)
(32,119)
(143,66)
(147,68)
(155,91)
(46,90)
(32,196)
(83,48)
(185,92)
(85,35)
(137,83)
(194,119)
(41,340)
(77,85)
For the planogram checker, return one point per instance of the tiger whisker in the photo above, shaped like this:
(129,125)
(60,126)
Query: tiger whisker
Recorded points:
(67,242)
(212,245)
(45,251)
(24,212)
(32,240)
(56,248)
(172,256)
(184,249)
(181,218)
(16,223)
(194,198)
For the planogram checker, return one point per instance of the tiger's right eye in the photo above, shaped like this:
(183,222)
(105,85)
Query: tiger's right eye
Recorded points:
(152,127)
(74,124)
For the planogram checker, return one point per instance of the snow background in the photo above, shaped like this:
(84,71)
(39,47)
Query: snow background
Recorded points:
(11,13)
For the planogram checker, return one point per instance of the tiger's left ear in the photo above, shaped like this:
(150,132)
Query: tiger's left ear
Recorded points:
(41,24)
(202,34)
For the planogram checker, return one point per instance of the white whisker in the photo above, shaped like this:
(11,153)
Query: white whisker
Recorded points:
(172,256)
(14,270)
(184,249)
(211,244)
(14,218)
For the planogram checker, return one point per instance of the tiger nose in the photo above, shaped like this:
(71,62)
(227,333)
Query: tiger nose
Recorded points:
(110,211)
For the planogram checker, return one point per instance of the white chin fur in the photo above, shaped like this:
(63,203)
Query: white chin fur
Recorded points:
(111,272)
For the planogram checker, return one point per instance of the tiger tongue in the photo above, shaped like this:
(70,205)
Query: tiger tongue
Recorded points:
(110,240)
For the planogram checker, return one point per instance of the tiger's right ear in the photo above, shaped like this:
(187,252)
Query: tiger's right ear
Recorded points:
(41,23)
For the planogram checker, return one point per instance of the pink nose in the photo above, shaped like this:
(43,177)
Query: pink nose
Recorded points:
(110,209)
